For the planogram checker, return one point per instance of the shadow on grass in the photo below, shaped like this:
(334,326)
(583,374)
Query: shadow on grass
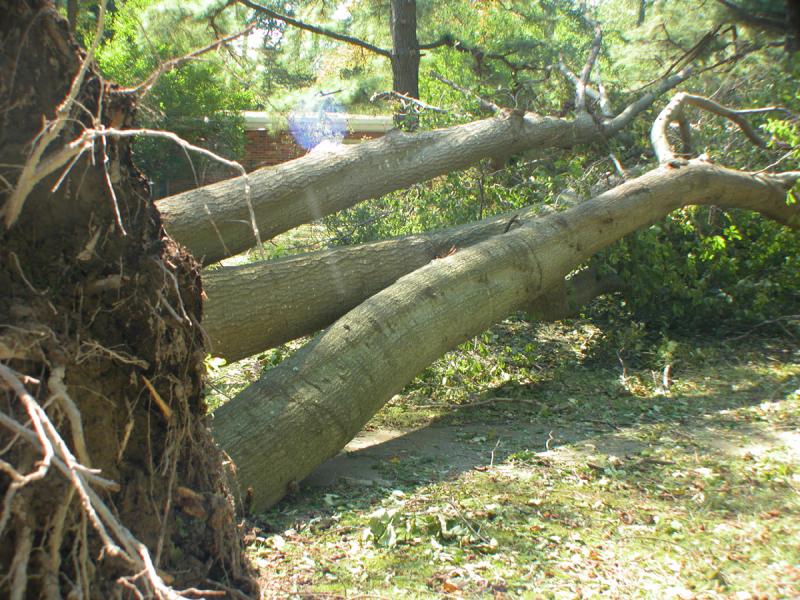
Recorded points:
(584,406)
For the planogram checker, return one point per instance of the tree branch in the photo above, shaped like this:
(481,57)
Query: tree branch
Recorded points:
(485,104)
(674,112)
(145,86)
(611,126)
(314,29)
(580,88)
(757,19)
(407,100)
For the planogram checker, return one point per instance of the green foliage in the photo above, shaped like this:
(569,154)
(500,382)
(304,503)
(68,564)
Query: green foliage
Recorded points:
(705,269)
(199,101)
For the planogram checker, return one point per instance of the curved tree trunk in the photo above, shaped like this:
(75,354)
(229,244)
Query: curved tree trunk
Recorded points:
(305,410)
(98,324)
(251,308)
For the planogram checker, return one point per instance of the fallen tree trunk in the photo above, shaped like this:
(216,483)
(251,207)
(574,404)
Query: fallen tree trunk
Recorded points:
(215,221)
(251,308)
(305,410)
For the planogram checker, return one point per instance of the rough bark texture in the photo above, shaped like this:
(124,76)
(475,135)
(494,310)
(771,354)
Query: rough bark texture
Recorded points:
(214,221)
(405,56)
(305,410)
(405,48)
(251,308)
(88,313)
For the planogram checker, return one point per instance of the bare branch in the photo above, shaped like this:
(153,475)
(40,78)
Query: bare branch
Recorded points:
(590,92)
(145,86)
(604,102)
(674,112)
(407,99)
(622,120)
(487,105)
(580,88)
(314,29)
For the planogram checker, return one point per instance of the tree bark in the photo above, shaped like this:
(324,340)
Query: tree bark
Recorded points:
(405,48)
(405,55)
(251,308)
(72,15)
(306,409)
(102,355)
(215,221)
(324,182)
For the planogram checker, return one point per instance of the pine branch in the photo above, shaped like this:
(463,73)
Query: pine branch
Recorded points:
(315,29)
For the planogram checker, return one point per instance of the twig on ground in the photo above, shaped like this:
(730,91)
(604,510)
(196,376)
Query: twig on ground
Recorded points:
(461,516)
(476,403)
(776,320)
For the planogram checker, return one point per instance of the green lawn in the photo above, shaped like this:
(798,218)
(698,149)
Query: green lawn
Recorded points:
(640,489)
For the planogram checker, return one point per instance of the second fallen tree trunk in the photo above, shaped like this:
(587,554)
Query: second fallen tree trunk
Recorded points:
(251,308)
(306,409)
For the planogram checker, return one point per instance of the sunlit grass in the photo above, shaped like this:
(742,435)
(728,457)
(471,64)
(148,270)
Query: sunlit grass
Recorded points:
(692,491)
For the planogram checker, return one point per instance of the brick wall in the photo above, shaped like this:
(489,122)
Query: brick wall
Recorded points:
(262,149)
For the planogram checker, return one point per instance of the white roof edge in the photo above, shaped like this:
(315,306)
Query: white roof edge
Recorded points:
(255,119)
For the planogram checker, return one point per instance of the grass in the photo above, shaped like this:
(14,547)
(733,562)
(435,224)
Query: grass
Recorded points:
(641,490)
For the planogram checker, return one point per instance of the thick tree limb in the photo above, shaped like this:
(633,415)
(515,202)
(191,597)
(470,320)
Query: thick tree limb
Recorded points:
(251,308)
(305,410)
(324,182)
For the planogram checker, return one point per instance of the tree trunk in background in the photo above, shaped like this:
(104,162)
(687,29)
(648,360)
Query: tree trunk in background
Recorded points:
(792,25)
(251,308)
(90,312)
(405,48)
(305,410)
(405,56)
(72,14)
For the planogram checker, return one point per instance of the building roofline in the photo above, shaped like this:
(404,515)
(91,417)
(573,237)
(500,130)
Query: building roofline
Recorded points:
(256,119)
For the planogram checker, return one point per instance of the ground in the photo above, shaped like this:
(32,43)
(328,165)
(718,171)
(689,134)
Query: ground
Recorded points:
(557,462)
